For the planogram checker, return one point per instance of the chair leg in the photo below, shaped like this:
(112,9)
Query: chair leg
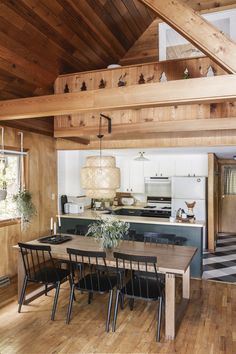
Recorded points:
(159,320)
(115,311)
(121,298)
(22,295)
(55,300)
(70,304)
(46,289)
(109,310)
(90,297)
(131,304)
(71,283)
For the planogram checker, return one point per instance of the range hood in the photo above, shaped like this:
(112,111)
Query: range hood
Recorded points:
(155,180)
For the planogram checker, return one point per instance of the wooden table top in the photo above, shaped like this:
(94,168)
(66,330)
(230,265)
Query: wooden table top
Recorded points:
(170,259)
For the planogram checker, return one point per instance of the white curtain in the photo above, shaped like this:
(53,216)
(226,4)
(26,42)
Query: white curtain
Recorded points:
(230,180)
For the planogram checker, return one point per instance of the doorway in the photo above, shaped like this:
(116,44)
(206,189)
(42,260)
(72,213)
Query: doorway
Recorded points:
(227,198)
(220,264)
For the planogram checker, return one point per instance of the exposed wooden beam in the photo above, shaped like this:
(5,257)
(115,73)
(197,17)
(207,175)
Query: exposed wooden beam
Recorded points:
(197,30)
(154,127)
(200,90)
(42,126)
(77,139)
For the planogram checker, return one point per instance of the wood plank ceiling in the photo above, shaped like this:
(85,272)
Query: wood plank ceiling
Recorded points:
(41,39)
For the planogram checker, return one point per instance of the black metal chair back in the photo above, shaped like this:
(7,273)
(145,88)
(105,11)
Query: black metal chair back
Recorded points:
(37,260)
(81,230)
(139,284)
(90,268)
(159,238)
(131,236)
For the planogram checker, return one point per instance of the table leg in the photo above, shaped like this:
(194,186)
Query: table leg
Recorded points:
(21,273)
(186,284)
(170,306)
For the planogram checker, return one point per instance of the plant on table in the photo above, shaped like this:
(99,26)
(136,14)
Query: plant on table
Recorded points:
(108,230)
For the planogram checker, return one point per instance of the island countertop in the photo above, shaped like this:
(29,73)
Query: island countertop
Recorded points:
(93,215)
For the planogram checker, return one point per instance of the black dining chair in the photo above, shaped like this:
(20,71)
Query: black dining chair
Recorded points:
(40,268)
(91,275)
(138,285)
(159,238)
(81,230)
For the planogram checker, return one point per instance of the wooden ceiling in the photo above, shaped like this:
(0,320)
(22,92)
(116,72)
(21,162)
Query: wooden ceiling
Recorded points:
(41,39)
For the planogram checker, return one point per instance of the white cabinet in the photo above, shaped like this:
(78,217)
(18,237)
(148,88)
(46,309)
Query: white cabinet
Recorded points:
(132,174)
(160,166)
(191,165)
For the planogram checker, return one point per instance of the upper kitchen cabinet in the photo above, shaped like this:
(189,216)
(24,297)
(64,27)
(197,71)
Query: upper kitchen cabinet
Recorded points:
(160,166)
(131,173)
(69,166)
(191,165)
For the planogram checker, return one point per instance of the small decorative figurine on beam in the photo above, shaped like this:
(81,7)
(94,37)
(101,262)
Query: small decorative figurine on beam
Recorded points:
(122,81)
(141,79)
(83,87)
(186,74)
(66,89)
(163,77)
(102,84)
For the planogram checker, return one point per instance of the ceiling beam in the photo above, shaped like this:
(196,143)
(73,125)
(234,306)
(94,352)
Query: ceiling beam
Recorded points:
(77,139)
(197,30)
(173,126)
(191,91)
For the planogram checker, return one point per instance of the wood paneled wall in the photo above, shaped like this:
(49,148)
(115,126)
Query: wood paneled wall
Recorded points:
(152,72)
(42,184)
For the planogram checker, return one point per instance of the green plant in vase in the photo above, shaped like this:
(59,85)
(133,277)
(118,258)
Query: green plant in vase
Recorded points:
(25,206)
(109,231)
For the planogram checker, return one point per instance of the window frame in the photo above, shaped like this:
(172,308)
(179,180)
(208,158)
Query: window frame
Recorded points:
(17,220)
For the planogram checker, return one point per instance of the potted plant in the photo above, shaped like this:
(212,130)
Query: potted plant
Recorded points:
(24,205)
(3,190)
(109,231)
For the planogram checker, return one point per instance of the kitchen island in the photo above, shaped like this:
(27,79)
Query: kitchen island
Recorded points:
(78,224)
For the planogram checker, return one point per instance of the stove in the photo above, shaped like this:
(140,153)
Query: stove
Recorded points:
(157,207)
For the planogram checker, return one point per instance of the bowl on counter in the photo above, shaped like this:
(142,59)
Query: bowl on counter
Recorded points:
(127,201)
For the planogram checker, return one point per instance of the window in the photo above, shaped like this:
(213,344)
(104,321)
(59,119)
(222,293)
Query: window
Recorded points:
(9,184)
(229,180)
(173,46)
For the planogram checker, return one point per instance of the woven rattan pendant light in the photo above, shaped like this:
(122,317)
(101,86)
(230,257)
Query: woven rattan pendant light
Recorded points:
(100,178)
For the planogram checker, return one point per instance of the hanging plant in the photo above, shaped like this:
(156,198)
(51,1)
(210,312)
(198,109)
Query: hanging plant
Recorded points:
(25,206)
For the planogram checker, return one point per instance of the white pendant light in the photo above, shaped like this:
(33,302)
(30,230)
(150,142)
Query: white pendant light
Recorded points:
(100,178)
(141,157)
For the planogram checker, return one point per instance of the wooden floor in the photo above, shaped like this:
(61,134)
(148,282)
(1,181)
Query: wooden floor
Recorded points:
(209,325)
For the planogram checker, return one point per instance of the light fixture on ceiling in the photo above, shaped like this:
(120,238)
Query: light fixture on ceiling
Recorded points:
(141,157)
(100,178)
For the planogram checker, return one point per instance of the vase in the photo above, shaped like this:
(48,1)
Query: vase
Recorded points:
(109,243)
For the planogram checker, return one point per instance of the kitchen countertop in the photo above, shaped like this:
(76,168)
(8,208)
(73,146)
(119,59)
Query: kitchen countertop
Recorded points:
(91,214)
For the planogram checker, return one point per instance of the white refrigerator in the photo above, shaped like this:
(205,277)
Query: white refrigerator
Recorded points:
(190,189)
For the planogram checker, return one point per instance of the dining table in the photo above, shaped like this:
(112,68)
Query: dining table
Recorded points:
(172,261)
